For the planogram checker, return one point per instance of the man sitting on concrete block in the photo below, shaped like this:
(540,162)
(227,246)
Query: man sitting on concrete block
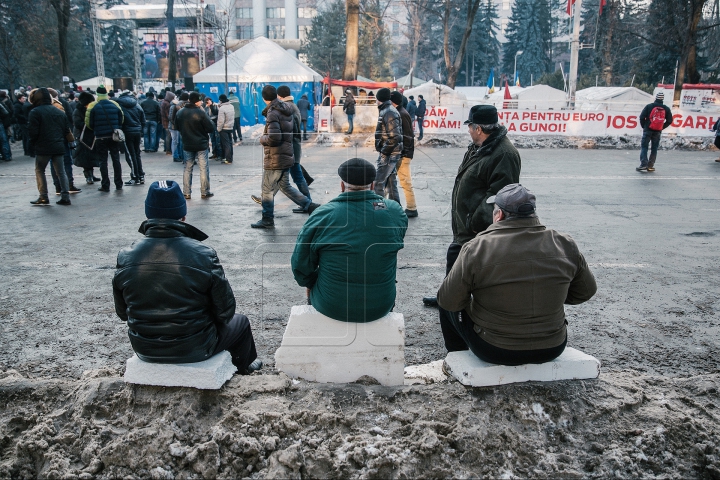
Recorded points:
(172,291)
(510,283)
(346,253)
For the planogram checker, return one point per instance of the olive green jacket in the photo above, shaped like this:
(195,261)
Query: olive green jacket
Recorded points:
(513,280)
(483,172)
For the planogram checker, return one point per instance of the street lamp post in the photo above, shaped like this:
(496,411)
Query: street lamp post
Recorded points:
(519,52)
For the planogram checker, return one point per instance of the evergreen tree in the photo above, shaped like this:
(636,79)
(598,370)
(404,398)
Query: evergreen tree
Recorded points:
(118,50)
(486,49)
(325,42)
(529,31)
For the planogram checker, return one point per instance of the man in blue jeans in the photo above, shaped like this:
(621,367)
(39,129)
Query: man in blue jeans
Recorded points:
(277,142)
(194,125)
(654,118)
(151,108)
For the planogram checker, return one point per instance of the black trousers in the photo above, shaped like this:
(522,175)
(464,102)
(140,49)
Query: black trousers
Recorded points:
(236,337)
(227,144)
(132,155)
(459,334)
(104,146)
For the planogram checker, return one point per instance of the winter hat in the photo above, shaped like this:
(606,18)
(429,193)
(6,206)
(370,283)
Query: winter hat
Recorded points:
(165,200)
(184,97)
(269,93)
(396,97)
(223,98)
(482,115)
(194,97)
(383,95)
(660,96)
(514,198)
(357,171)
(86,99)
(283,91)
(101,90)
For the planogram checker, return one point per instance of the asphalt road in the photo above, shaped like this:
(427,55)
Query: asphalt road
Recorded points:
(651,239)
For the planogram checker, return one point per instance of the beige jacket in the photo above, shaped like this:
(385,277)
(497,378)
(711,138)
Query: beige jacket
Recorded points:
(513,280)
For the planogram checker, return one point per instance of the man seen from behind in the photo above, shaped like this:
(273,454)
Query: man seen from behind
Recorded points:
(510,284)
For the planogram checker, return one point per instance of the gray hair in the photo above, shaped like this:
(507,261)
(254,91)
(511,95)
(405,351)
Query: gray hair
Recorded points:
(507,214)
(356,188)
(489,128)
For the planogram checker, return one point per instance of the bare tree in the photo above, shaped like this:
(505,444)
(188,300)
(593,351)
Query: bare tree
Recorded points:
(352,35)
(453,65)
(222,33)
(10,59)
(415,10)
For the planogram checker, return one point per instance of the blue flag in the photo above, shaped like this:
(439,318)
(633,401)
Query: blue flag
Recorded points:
(491,81)
(517,79)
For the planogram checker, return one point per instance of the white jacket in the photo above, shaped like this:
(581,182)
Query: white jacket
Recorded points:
(226,116)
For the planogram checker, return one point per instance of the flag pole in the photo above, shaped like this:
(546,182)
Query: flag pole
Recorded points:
(574,54)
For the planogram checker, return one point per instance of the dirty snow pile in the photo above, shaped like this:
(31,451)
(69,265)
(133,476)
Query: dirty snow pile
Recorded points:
(269,426)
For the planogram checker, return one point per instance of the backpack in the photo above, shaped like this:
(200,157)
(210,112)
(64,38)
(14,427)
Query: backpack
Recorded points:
(657,119)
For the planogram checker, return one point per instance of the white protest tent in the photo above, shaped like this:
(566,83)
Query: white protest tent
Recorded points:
(535,97)
(628,99)
(435,94)
(404,82)
(261,60)
(474,95)
(94,82)
(250,68)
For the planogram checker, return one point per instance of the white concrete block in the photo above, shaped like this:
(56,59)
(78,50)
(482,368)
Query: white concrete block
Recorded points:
(425,374)
(210,374)
(470,370)
(320,349)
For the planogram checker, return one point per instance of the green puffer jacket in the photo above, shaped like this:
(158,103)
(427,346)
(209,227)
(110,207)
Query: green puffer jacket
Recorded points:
(346,253)
(484,171)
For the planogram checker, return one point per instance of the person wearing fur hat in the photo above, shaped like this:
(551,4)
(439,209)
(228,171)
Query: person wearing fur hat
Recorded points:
(171,290)
(278,157)
(654,118)
(346,253)
(103,117)
(389,145)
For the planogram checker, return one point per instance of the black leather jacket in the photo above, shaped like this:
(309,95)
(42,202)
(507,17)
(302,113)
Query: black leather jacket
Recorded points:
(172,291)
(388,132)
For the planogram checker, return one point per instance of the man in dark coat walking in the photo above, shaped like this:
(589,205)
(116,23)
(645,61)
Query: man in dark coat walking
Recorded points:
(654,118)
(48,129)
(278,157)
(172,291)
(21,121)
(389,145)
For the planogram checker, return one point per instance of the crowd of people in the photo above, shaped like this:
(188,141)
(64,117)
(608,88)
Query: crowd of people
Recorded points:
(346,252)
(507,280)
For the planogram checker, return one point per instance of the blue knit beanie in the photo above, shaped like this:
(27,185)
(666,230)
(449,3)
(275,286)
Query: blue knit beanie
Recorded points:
(165,200)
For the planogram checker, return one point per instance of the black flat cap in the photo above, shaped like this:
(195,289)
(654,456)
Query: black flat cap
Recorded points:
(357,171)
